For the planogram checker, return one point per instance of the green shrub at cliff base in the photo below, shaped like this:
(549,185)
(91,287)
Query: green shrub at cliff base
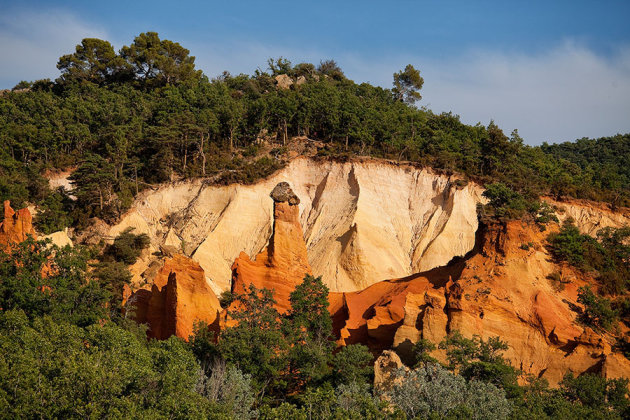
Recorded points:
(308,328)
(54,369)
(40,279)
(431,391)
(257,345)
(587,396)
(352,364)
(481,360)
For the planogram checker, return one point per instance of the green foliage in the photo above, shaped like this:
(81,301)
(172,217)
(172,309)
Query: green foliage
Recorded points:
(54,212)
(421,352)
(478,359)
(127,246)
(157,62)
(541,402)
(93,61)
(226,298)
(40,279)
(256,345)
(57,370)
(430,391)
(503,202)
(545,214)
(598,312)
(608,255)
(230,389)
(308,327)
(353,363)
(407,84)
(572,246)
(599,168)
(347,401)
(597,393)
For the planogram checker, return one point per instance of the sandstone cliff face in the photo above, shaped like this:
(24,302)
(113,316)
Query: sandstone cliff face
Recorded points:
(591,217)
(363,221)
(16,226)
(284,263)
(178,298)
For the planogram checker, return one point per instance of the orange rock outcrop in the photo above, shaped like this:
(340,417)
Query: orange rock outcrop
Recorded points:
(283,264)
(500,289)
(16,225)
(179,297)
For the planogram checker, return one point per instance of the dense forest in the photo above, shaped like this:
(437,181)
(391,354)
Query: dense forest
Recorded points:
(145,115)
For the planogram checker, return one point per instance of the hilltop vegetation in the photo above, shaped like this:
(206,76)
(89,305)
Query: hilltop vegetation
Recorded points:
(146,115)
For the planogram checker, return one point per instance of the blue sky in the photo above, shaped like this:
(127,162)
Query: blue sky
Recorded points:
(556,71)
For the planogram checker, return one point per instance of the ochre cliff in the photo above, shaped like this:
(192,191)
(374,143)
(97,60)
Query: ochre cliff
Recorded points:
(500,288)
(16,225)
(178,298)
(362,220)
(283,264)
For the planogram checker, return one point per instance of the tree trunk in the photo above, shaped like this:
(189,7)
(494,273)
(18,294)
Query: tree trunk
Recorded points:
(135,172)
(185,152)
(203,155)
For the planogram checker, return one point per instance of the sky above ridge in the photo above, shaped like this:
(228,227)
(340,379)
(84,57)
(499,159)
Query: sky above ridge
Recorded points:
(554,70)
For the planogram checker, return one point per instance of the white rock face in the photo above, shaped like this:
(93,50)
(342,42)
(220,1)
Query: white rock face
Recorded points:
(591,217)
(363,221)
(60,238)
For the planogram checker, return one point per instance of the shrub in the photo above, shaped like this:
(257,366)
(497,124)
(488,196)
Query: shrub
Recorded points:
(352,364)
(557,281)
(503,202)
(597,312)
(608,256)
(40,279)
(127,246)
(421,351)
(54,212)
(432,391)
(230,389)
(54,369)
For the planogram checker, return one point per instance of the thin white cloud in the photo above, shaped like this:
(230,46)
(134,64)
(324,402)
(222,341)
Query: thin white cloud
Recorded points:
(563,94)
(31,42)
